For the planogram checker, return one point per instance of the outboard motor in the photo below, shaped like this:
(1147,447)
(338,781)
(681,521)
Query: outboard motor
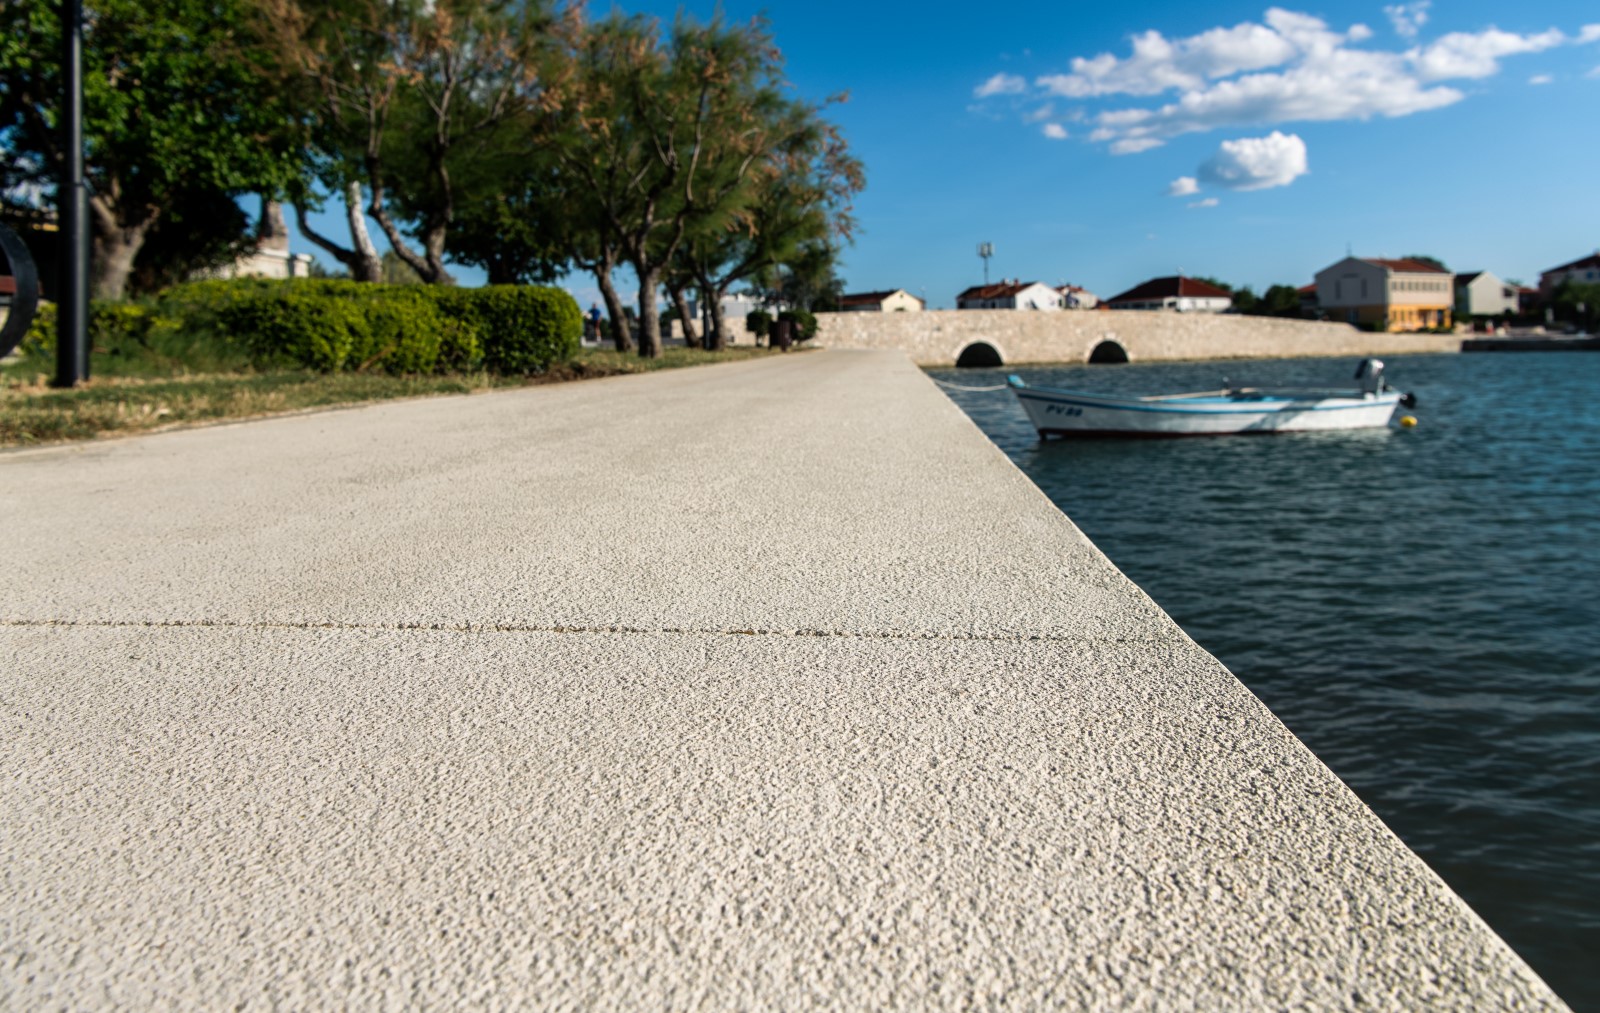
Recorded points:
(1370,373)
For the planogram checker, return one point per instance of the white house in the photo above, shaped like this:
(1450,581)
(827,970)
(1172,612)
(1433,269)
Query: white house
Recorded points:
(1391,295)
(735,307)
(271,257)
(1585,270)
(1076,297)
(1184,295)
(1481,294)
(1010,295)
(892,301)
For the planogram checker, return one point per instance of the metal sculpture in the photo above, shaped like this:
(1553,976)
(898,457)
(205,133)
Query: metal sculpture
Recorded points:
(19,290)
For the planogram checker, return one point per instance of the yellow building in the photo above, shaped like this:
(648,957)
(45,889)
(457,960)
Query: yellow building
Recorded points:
(892,301)
(1390,295)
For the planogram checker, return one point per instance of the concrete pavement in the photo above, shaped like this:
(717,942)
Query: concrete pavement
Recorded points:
(763,685)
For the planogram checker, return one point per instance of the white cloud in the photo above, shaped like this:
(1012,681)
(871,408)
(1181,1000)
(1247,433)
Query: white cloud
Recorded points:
(1055,131)
(1290,67)
(1209,202)
(1001,84)
(1134,145)
(1343,85)
(1183,186)
(1540,79)
(1041,114)
(1257,163)
(1159,64)
(1475,55)
(1408,18)
(1593,73)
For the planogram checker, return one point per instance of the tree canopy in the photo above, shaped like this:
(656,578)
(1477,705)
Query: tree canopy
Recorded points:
(178,110)
(513,135)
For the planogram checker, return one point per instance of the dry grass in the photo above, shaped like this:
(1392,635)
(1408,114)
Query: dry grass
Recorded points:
(33,413)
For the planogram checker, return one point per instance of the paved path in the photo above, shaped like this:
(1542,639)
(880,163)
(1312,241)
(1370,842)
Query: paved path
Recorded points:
(762,685)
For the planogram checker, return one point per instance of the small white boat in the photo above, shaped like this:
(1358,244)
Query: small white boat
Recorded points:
(1213,413)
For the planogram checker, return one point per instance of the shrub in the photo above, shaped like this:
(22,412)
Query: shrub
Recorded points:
(805,323)
(299,329)
(522,328)
(329,325)
(40,340)
(404,334)
(758,322)
(461,347)
(115,324)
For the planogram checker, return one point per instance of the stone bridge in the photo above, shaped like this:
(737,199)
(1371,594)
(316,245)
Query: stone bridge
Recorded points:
(1006,337)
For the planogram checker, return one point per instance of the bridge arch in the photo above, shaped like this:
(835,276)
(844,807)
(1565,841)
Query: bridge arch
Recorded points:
(979,354)
(1108,351)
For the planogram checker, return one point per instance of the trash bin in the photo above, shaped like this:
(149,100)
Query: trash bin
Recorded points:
(782,334)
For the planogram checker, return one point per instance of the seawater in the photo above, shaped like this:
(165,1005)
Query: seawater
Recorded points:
(1420,606)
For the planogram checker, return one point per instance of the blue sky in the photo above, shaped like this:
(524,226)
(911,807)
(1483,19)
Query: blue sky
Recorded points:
(1103,145)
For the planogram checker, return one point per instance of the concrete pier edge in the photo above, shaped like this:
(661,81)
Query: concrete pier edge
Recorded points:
(764,685)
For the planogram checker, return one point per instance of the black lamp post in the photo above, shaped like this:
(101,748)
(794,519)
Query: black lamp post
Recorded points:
(72,338)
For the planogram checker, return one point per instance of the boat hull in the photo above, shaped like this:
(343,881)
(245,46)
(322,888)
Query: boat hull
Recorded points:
(1070,413)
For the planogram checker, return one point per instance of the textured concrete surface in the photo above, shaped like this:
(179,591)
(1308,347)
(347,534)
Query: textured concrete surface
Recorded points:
(937,337)
(768,685)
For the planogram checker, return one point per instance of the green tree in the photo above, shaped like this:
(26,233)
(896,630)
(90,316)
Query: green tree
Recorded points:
(393,270)
(1280,301)
(178,108)
(1577,303)
(511,230)
(665,136)
(799,193)
(206,229)
(416,101)
(808,280)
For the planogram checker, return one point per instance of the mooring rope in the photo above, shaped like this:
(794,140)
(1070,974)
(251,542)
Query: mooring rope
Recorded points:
(957,386)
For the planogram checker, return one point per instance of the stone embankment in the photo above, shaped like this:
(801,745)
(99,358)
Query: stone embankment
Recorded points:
(940,337)
(770,685)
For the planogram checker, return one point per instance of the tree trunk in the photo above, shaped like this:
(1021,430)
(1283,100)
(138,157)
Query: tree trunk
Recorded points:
(717,339)
(619,320)
(113,246)
(428,265)
(361,259)
(691,339)
(367,265)
(649,315)
(433,250)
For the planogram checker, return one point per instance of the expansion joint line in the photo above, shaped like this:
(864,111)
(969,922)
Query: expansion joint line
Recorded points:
(557,628)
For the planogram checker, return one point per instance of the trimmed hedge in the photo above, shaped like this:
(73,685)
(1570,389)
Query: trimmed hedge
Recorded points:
(520,328)
(330,324)
(805,323)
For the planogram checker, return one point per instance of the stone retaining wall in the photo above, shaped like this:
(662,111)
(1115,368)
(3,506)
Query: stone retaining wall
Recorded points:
(938,337)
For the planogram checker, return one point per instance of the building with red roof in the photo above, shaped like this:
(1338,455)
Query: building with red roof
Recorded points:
(1174,292)
(895,300)
(1076,297)
(1387,294)
(1584,270)
(1010,295)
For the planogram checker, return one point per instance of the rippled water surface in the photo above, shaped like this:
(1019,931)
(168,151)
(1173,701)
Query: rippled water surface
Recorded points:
(1421,607)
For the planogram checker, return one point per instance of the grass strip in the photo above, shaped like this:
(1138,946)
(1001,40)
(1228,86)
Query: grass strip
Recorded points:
(32,413)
